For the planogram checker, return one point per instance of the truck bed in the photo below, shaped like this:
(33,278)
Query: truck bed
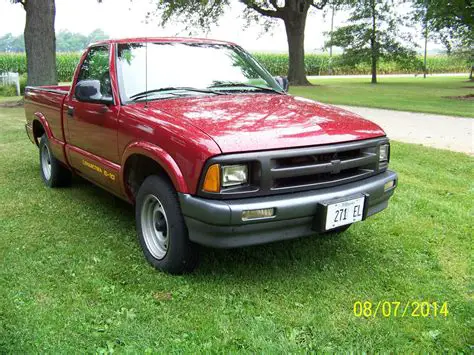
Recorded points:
(48,102)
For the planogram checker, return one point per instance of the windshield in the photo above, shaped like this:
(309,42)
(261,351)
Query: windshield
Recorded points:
(188,69)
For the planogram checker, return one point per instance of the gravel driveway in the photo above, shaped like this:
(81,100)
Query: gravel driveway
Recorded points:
(445,132)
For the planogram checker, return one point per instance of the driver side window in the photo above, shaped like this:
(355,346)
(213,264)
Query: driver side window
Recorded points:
(96,67)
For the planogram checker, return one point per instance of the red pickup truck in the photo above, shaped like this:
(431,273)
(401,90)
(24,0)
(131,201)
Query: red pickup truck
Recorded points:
(208,146)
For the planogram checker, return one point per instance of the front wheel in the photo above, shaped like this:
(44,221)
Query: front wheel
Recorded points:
(161,229)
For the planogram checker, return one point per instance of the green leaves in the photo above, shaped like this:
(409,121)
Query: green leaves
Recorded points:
(277,64)
(66,41)
(373,34)
(16,62)
(452,22)
(195,14)
(318,64)
(66,64)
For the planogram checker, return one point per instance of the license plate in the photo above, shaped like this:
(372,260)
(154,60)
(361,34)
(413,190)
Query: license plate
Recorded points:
(345,212)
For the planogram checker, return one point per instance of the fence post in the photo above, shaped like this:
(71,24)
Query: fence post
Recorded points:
(17,84)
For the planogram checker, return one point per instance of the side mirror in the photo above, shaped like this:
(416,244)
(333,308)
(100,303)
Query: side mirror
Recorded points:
(283,82)
(89,91)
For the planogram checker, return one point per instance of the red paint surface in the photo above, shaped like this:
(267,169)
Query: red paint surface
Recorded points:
(249,122)
(48,105)
(76,158)
(180,134)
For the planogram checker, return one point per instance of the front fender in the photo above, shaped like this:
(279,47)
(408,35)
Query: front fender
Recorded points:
(161,157)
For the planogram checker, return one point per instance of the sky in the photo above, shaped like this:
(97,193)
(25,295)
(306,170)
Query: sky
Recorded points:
(124,18)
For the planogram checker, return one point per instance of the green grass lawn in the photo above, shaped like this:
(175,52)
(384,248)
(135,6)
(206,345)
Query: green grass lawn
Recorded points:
(73,279)
(404,94)
(4,99)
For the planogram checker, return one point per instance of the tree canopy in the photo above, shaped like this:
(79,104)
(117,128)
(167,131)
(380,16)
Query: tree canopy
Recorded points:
(451,22)
(40,40)
(293,13)
(11,43)
(373,33)
(65,41)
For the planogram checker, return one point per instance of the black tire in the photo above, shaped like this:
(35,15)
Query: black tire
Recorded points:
(161,229)
(53,173)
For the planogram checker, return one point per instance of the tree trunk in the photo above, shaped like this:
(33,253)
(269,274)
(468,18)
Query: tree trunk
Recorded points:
(470,75)
(40,42)
(295,26)
(373,44)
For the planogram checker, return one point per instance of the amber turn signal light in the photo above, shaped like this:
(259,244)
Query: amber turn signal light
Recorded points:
(212,180)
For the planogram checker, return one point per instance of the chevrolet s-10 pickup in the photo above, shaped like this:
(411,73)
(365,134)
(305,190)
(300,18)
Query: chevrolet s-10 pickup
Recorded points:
(208,147)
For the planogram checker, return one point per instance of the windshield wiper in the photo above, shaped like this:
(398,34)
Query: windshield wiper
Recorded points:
(233,85)
(143,94)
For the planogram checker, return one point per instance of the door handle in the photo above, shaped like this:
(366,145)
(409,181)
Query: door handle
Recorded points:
(70,111)
(103,109)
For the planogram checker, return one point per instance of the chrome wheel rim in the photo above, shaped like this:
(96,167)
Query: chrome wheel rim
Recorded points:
(155,227)
(46,162)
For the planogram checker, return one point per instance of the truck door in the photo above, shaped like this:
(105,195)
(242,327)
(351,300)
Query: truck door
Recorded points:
(91,126)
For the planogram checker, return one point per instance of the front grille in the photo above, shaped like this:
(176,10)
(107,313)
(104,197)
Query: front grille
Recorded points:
(315,158)
(300,169)
(324,169)
(320,180)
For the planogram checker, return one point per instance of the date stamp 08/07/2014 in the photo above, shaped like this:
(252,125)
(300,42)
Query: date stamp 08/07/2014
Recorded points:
(387,309)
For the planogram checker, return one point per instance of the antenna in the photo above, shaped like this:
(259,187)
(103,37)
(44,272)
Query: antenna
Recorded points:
(146,71)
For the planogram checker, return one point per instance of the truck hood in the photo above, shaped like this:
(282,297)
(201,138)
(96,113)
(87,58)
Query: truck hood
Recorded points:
(250,122)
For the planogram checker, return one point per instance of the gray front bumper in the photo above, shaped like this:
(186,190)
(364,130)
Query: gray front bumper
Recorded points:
(218,223)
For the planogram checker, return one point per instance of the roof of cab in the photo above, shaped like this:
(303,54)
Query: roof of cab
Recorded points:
(162,39)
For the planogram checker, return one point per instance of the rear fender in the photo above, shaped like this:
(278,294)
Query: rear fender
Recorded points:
(57,146)
(38,116)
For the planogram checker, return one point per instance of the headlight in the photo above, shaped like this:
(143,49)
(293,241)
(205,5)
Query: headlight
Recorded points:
(384,152)
(233,175)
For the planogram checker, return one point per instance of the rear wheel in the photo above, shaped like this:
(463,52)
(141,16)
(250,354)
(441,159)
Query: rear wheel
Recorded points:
(161,229)
(53,173)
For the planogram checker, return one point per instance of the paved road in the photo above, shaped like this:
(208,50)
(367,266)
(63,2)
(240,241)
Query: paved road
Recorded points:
(419,75)
(445,132)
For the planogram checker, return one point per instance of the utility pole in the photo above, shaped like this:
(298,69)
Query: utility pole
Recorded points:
(426,39)
(330,47)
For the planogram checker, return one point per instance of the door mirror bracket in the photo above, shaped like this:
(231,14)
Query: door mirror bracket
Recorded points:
(283,82)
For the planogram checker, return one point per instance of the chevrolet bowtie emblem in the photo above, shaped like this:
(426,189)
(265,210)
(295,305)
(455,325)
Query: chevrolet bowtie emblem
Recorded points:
(335,166)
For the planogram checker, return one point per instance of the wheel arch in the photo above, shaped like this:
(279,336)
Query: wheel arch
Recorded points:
(142,159)
(40,127)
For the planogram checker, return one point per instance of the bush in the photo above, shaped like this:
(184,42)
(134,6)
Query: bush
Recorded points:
(277,64)
(7,90)
(23,79)
(10,90)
